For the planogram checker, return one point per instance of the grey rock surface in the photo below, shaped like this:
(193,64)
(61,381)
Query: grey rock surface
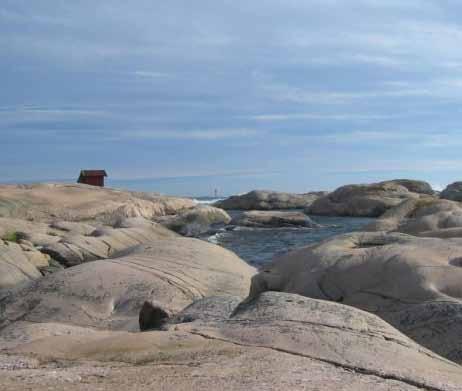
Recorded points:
(195,221)
(269,200)
(274,219)
(414,186)
(428,217)
(210,308)
(371,200)
(452,192)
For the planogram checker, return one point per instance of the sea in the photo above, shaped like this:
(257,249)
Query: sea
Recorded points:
(259,246)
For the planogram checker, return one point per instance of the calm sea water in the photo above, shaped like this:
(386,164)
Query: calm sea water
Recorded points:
(259,246)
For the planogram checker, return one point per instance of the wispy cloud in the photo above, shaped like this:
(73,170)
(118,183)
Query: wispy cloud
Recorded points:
(35,114)
(298,95)
(316,116)
(212,134)
(431,89)
(402,165)
(151,74)
(417,138)
(390,61)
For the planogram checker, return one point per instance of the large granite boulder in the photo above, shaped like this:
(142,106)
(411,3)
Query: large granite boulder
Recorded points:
(277,341)
(453,192)
(274,219)
(110,293)
(268,200)
(428,217)
(414,186)
(370,200)
(195,221)
(77,202)
(413,283)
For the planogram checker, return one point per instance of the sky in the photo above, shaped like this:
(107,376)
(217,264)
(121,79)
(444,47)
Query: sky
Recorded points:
(184,97)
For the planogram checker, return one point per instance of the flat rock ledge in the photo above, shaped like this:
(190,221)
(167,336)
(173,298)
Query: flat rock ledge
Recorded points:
(274,341)
(47,202)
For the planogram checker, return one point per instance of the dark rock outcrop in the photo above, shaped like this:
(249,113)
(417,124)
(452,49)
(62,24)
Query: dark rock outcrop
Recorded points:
(268,200)
(274,219)
(452,192)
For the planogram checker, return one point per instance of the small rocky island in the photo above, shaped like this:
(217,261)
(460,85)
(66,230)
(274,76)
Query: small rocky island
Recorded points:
(104,289)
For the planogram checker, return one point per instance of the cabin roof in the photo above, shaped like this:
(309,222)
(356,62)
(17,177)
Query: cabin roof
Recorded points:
(87,173)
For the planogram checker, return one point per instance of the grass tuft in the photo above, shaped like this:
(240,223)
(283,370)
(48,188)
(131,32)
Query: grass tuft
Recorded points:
(11,237)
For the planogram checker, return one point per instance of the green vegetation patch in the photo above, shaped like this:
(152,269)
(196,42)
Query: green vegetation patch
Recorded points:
(11,237)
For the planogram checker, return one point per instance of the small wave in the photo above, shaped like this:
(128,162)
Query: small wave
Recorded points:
(207,201)
(215,239)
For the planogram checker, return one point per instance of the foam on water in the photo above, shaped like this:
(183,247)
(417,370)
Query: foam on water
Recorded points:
(206,200)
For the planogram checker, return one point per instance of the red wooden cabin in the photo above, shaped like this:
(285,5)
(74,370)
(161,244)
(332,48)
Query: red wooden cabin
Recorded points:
(92,177)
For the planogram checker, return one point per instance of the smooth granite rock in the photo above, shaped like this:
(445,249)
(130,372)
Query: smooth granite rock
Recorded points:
(274,219)
(104,242)
(210,308)
(370,200)
(195,221)
(77,202)
(15,266)
(414,186)
(427,217)
(269,200)
(11,226)
(414,283)
(110,293)
(277,341)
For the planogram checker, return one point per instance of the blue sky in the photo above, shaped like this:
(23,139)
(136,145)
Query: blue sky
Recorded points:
(188,96)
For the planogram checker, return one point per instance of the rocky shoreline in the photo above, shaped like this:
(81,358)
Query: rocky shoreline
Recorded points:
(83,270)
